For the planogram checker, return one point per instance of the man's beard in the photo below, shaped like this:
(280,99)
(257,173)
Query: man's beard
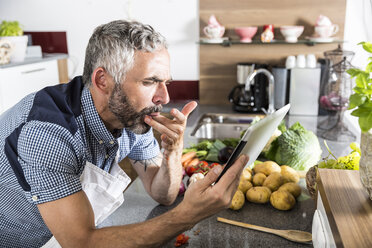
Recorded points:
(120,106)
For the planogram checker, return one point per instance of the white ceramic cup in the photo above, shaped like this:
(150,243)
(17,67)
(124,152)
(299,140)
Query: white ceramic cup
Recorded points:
(300,61)
(214,32)
(326,31)
(290,62)
(310,61)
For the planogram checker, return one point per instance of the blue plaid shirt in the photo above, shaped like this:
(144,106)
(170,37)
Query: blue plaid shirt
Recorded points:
(45,141)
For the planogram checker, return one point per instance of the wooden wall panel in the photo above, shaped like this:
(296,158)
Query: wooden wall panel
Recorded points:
(218,63)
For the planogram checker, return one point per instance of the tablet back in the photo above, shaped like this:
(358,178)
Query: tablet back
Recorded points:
(259,134)
(255,138)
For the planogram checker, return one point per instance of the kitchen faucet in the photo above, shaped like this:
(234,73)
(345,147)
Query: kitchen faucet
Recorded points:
(270,76)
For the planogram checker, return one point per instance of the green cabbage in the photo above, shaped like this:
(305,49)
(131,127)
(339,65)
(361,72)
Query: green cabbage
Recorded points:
(296,147)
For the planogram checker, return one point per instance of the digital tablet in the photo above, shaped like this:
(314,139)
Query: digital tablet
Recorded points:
(256,137)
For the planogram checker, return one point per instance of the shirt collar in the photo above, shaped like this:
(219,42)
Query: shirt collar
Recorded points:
(94,122)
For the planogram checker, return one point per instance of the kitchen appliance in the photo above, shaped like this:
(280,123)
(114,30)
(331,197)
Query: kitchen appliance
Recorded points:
(253,97)
(304,91)
(280,88)
(334,96)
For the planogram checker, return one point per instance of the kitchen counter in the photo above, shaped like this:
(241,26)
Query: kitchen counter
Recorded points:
(27,61)
(347,208)
(138,206)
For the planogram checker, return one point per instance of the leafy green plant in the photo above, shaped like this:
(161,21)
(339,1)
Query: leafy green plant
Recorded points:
(11,28)
(361,100)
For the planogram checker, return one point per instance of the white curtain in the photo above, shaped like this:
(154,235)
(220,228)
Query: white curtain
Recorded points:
(358,27)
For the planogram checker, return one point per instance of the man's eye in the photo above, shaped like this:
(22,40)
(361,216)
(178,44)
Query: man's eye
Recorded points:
(148,83)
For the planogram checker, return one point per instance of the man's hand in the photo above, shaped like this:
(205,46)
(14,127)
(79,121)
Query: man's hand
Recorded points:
(163,174)
(172,130)
(205,199)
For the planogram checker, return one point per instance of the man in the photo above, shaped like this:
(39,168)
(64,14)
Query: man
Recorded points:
(60,147)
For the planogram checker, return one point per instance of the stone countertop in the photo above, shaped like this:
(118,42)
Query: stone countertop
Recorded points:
(139,206)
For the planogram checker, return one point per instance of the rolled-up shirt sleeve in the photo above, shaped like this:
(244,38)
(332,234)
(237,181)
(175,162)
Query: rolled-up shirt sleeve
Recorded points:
(139,146)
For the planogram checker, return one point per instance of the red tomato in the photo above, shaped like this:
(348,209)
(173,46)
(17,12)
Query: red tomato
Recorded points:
(191,170)
(213,165)
(203,164)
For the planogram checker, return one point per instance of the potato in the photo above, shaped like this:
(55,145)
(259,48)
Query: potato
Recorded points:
(244,185)
(266,167)
(258,194)
(289,174)
(282,200)
(237,200)
(258,179)
(292,188)
(246,175)
(248,169)
(273,181)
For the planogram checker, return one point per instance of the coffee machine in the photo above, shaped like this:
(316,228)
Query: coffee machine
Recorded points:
(250,98)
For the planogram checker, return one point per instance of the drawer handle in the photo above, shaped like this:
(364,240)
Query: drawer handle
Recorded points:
(35,70)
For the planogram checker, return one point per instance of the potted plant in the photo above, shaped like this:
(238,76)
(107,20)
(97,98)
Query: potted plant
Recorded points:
(13,32)
(361,103)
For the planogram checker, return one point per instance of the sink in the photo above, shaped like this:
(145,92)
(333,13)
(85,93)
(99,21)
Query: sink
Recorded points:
(221,126)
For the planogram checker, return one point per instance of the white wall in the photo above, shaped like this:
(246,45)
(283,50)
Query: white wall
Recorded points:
(177,20)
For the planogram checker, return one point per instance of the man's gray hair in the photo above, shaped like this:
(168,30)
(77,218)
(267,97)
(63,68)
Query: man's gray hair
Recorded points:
(112,46)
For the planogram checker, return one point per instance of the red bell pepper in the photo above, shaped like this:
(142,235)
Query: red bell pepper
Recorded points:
(181,240)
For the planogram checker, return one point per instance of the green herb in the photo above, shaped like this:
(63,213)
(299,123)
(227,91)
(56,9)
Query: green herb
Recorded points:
(233,142)
(361,100)
(348,162)
(213,151)
(11,28)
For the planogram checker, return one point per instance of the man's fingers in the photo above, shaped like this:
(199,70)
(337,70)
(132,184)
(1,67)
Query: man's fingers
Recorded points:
(174,128)
(211,177)
(181,116)
(178,116)
(173,131)
(233,173)
(188,108)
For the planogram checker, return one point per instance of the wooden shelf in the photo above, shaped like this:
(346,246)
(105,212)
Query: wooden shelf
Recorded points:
(227,43)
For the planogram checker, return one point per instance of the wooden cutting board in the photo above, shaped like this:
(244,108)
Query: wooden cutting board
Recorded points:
(348,207)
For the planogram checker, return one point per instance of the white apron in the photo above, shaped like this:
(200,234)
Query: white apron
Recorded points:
(104,191)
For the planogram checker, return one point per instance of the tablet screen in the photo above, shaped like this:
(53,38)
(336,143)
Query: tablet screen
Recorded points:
(256,137)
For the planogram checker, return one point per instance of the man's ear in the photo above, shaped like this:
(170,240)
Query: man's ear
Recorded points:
(100,80)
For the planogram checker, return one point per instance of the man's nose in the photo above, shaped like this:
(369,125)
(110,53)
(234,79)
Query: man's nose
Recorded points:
(161,95)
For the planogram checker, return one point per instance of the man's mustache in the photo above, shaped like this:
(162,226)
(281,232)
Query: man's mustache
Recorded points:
(152,109)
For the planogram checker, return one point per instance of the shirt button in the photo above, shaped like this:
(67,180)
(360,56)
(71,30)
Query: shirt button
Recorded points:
(100,142)
(35,198)
(112,142)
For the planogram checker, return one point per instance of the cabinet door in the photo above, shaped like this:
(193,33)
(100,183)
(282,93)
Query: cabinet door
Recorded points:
(19,81)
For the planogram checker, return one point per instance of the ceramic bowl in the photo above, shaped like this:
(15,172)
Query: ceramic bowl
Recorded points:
(291,33)
(246,33)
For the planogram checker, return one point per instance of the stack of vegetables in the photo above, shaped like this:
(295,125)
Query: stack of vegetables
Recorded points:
(206,154)
(296,147)
(268,182)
